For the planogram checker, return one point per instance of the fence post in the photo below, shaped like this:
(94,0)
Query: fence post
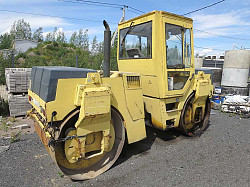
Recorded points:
(76,60)
(12,58)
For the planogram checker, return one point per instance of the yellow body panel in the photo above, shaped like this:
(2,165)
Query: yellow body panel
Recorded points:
(128,104)
(135,103)
(150,86)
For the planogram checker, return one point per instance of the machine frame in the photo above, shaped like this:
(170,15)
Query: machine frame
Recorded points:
(84,127)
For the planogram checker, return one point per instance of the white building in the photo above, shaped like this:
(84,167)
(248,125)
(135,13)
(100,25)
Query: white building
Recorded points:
(23,45)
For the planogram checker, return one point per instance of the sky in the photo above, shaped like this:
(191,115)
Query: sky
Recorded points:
(226,25)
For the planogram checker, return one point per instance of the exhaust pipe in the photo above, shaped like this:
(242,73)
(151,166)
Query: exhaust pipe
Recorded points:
(107,46)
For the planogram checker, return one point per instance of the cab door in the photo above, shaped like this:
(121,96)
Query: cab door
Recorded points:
(179,56)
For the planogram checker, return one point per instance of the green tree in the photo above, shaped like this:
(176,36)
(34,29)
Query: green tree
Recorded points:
(6,41)
(85,40)
(113,56)
(54,34)
(60,37)
(21,29)
(4,63)
(100,47)
(60,53)
(49,37)
(73,39)
(94,46)
(38,35)
(80,38)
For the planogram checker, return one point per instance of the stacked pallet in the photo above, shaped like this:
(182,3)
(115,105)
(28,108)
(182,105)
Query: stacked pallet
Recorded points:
(17,82)
(17,79)
(18,104)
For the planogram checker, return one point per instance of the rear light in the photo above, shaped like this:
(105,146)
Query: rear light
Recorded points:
(30,98)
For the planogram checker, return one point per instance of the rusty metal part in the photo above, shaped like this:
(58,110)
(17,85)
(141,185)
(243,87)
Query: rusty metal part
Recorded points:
(52,141)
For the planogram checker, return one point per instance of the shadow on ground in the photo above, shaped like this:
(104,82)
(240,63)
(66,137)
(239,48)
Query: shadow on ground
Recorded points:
(143,147)
(162,138)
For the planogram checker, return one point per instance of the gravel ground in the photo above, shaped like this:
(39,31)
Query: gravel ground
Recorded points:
(220,157)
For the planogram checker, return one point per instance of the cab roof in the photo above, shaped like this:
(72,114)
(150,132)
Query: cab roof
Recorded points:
(162,13)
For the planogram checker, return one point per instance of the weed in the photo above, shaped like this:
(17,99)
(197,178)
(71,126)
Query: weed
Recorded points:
(13,119)
(15,137)
(61,175)
(4,126)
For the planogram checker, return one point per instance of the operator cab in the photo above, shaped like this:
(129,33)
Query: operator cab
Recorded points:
(158,45)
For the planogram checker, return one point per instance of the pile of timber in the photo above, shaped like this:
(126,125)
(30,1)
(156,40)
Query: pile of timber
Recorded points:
(17,82)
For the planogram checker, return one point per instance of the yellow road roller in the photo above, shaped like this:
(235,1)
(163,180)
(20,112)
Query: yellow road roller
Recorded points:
(83,116)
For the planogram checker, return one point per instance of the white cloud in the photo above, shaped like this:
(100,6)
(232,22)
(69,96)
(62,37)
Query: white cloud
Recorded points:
(204,52)
(92,31)
(234,24)
(67,33)
(95,30)
(219,20)
(36,21)
(221,24)
(207,50)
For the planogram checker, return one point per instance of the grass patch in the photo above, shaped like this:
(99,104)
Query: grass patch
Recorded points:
(4,126)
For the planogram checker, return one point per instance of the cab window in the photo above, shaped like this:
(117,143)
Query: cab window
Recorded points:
(136,41)
(178,46)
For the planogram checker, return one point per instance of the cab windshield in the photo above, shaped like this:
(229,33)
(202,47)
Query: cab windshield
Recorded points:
(136,41)
(178,46)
